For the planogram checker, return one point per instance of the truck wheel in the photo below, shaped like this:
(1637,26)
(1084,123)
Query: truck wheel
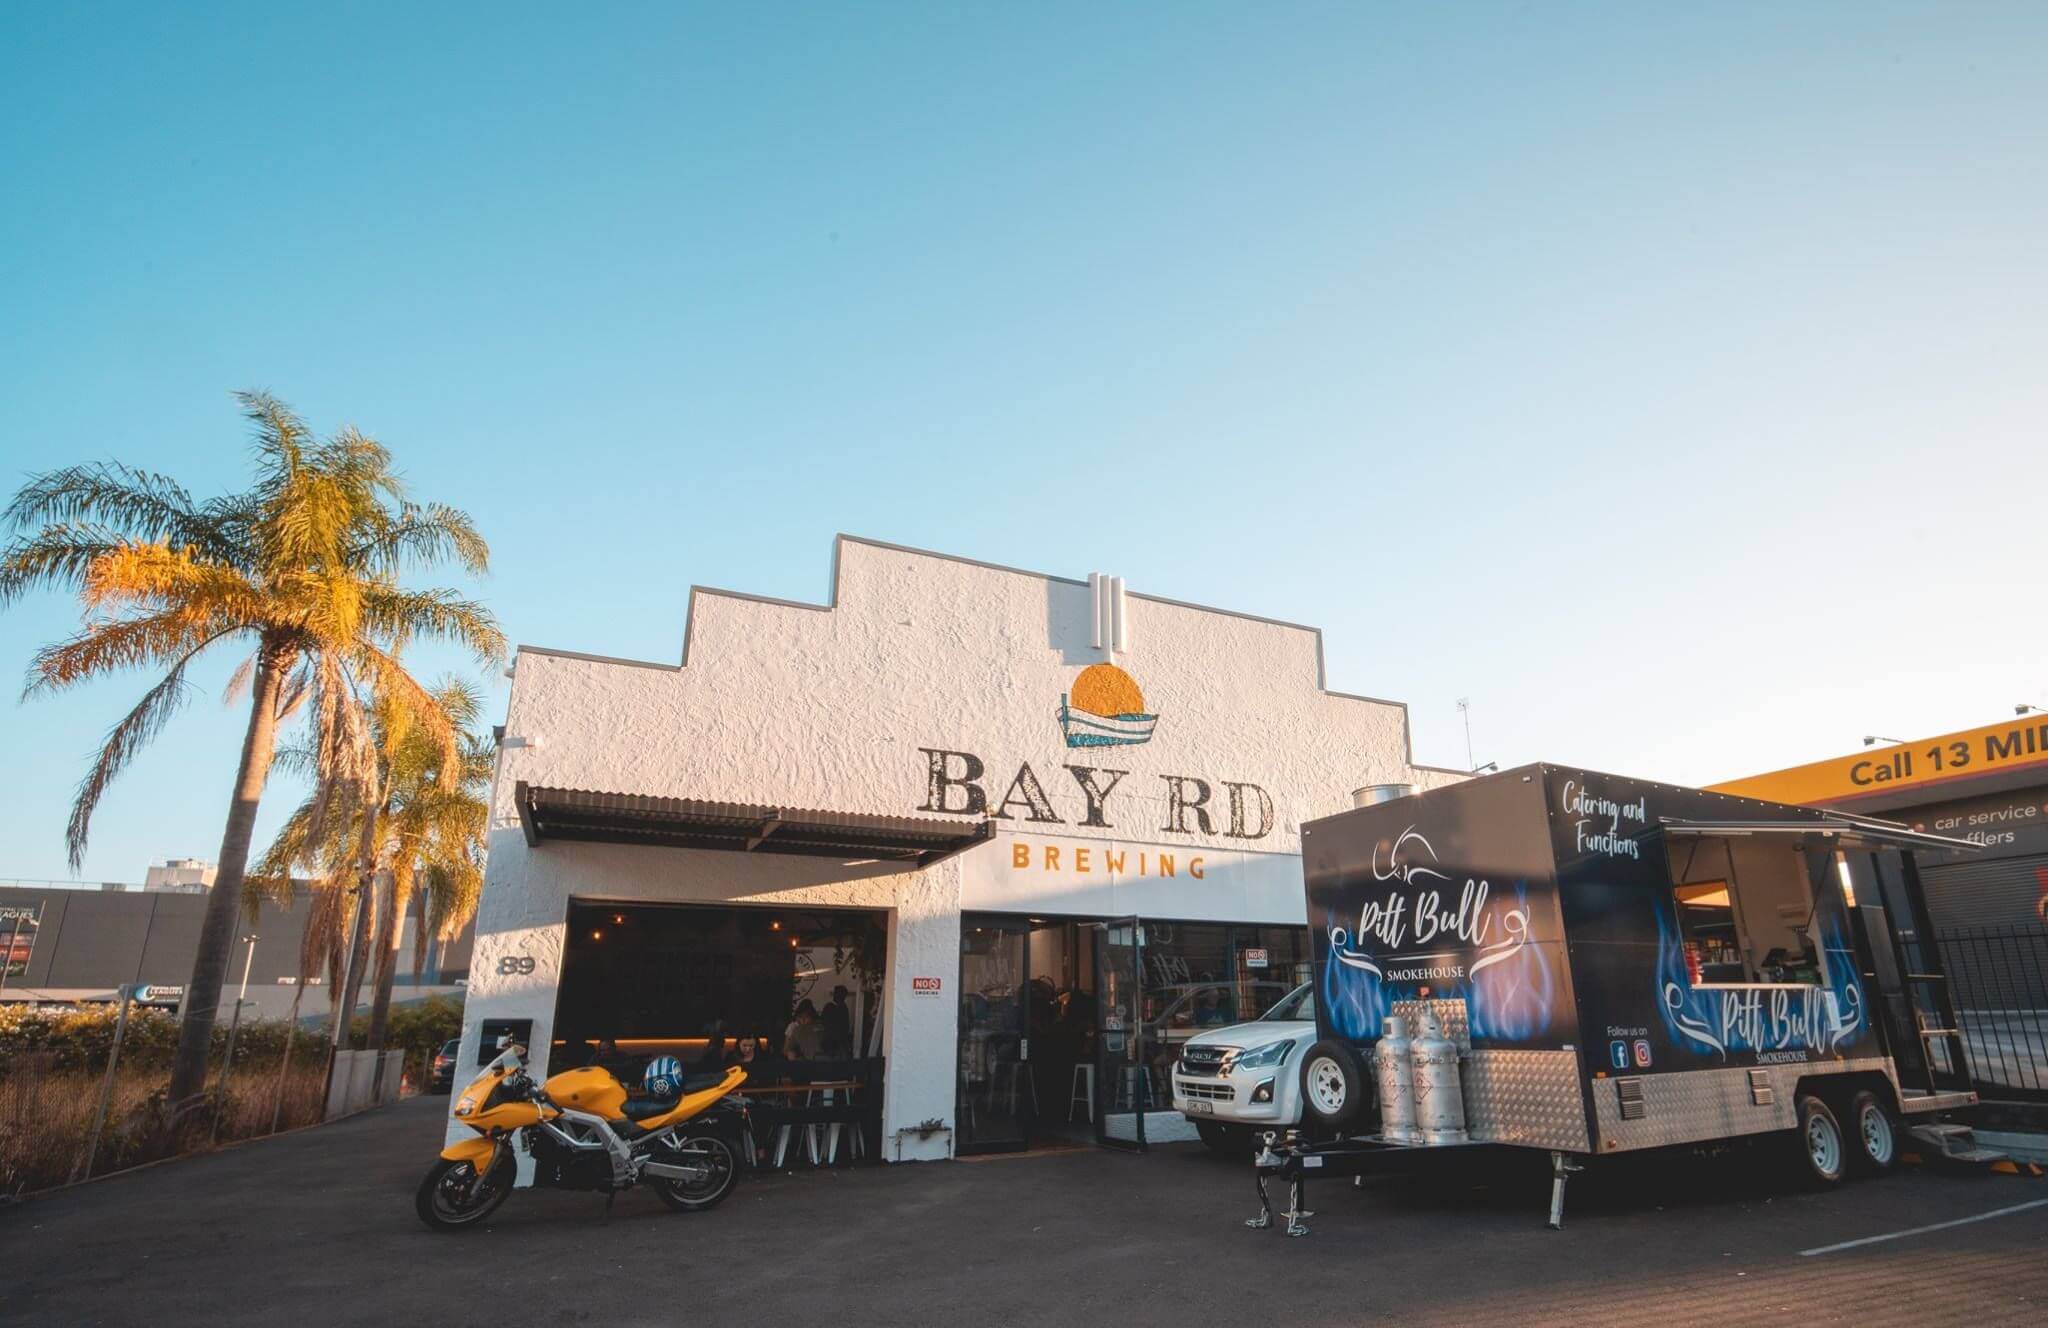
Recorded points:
(1332,1083)
(1876,1134)
(1820,1142)
(1226,1139)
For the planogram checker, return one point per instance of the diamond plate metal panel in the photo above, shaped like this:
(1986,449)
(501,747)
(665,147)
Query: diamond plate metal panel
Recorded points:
(1691,1106)
(1525,1097)
(1450,1013)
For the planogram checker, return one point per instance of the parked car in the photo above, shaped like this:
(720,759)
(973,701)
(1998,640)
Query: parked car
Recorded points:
(1232,1081)
(441,1077)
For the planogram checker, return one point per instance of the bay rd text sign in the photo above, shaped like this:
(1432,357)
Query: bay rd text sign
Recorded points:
(957,783)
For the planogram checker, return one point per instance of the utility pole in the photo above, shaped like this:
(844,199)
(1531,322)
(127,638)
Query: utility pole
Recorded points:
(227,1065)
(99,1116)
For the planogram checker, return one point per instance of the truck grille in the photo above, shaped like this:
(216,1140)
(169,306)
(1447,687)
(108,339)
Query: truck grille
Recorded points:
(1205,1060)
(1209,1092)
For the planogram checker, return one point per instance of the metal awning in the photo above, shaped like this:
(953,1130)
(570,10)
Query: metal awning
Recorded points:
(630,818)
(1842,832)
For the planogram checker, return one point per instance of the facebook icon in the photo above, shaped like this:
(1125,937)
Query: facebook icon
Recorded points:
(1618,1053)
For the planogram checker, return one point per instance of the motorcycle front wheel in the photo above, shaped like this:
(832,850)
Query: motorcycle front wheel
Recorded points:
(717,1166)
(453,1196)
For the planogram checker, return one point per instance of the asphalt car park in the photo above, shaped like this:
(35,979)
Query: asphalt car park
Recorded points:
(318,1226)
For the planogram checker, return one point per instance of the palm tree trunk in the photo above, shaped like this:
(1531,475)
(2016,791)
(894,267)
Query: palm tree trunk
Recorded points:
(390,929)
(224,901)
(365,917)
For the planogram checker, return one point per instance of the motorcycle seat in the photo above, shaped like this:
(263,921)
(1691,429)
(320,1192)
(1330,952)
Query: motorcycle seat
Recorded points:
(640,1108)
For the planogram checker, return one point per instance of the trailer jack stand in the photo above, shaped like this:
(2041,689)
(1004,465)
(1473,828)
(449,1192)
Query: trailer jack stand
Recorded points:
(1561,1169)
(1295,1212)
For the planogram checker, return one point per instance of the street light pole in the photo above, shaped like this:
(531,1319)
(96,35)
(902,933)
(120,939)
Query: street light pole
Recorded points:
(227,1064)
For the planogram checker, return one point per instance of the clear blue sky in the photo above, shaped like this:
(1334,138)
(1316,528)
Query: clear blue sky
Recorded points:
(1669,380)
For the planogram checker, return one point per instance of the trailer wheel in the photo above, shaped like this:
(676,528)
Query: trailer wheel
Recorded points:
(1332,1083)
(1875,1133)
(1820,1142)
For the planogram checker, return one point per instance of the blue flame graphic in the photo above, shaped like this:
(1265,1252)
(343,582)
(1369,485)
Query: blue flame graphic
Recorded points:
(1509,994)
(1821,1019)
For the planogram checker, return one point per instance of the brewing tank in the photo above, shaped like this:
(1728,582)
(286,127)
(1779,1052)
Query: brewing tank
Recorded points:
(1439,1100)
(1396,1082)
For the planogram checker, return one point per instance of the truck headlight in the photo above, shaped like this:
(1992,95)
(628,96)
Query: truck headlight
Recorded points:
(1266,1057)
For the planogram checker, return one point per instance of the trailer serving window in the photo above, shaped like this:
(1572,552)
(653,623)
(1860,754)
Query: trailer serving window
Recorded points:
(1745,909)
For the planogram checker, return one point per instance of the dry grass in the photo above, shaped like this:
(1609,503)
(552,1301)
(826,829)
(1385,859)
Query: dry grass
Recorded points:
(46,1118)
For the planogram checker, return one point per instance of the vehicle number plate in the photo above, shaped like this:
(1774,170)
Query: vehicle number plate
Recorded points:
(1199,1108)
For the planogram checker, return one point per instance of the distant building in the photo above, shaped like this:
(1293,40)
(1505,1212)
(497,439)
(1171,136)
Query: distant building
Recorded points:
(78,946)
(182,876)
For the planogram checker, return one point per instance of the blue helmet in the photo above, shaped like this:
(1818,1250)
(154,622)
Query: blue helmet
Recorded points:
(664,1077)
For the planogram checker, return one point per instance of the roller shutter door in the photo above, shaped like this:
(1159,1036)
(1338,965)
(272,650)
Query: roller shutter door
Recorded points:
(2005,892)
(1994,945)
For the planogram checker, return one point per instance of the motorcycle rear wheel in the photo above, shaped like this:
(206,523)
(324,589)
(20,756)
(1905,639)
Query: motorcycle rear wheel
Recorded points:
(719,1164)
(453,1197)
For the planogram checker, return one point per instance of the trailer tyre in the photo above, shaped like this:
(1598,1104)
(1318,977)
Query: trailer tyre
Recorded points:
(1821,1143)
(1332,1083)
(1875,1134)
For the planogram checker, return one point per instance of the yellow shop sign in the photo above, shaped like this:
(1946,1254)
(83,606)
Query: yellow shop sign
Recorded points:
(1993,749)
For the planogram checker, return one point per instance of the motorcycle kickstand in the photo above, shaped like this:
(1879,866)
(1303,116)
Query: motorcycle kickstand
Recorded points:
(610,1197)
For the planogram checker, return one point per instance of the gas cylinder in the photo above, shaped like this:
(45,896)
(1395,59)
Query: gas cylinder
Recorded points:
(1439,1100)
(1396,1082)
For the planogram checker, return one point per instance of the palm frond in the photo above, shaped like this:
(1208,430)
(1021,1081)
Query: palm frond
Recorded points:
(400,616)
(124,740)
(58,556)
(139,505)
(107,647)
(425,533)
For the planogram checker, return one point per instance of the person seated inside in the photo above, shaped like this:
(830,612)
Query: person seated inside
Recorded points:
(803,1039)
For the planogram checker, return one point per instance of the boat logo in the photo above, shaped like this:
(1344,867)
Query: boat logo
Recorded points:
(1104,708)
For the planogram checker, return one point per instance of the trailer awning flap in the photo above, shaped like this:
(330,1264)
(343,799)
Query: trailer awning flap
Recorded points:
(1842,832)
(590,816)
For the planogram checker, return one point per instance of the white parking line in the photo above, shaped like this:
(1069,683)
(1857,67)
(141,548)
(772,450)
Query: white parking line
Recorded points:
(1920,1231)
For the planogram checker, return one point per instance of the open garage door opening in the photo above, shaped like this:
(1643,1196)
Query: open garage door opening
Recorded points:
(795,995)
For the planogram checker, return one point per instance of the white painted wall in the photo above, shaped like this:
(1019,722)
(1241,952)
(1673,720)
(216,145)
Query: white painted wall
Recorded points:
(799,706)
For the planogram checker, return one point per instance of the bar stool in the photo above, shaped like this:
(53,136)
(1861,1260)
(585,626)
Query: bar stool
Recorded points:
(1082,1096)
(1005,1080)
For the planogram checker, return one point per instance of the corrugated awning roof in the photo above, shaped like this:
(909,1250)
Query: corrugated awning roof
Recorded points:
(1853,833)
(632,818)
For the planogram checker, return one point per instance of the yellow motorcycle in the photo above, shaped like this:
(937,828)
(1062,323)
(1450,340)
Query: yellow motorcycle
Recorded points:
(584,1132)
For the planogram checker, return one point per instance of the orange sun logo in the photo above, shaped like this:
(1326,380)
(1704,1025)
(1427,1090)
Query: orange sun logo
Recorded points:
(1105,708)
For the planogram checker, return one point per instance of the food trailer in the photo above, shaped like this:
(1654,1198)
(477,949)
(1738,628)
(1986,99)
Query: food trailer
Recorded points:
(1583,964)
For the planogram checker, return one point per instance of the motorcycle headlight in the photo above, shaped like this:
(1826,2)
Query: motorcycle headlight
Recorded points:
(466,1106)
(1266,1057)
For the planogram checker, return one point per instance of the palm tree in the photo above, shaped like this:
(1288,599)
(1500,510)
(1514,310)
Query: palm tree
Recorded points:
(435,816)
(304,566)
(416,820)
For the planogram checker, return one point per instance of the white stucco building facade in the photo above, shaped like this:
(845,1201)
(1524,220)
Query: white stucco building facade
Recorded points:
(930,690)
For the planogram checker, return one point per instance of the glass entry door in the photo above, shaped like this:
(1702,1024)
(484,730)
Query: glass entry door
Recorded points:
(996,1096)
(1123,1087)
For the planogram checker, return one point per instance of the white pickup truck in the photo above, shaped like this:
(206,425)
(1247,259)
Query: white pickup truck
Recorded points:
(1232,1081)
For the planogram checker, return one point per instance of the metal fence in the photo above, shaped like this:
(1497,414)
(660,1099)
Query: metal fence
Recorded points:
(1999,977)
